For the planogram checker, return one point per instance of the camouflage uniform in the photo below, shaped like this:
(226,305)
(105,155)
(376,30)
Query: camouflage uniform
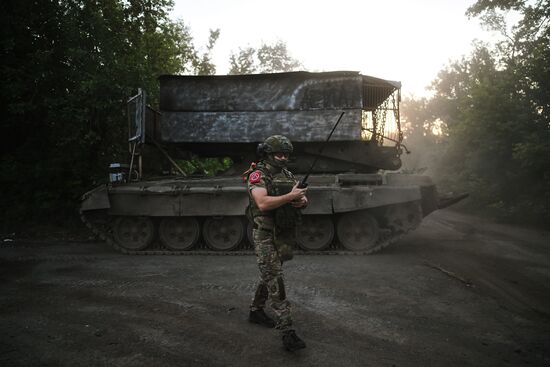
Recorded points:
(271,284)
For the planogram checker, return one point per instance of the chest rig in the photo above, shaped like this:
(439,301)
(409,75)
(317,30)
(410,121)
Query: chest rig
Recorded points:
(286,216)
(277,184)
(283,220)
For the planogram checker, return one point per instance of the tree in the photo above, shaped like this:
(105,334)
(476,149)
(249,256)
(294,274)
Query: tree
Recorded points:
(243,62)
(68,68)
(275,58)
(525,50)
(496,105)
(204,66)
(265,59)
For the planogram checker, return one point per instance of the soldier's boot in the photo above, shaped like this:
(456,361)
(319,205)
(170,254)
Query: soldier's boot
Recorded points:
(291,341)
(259,317)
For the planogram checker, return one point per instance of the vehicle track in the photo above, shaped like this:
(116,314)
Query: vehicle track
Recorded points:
(100,227)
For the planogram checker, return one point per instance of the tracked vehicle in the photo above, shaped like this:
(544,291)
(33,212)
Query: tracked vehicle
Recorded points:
(357,204)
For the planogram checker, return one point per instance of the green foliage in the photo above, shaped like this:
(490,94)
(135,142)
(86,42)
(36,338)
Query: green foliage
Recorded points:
(243,62)
(205,166)
(496,108)
(68,67)
(275,58)
(266,59)
(204,65)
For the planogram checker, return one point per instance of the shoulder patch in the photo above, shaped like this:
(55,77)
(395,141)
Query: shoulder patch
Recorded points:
(255,177)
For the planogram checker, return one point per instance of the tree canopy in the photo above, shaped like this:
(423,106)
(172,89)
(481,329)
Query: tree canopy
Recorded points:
(68,67)
(495,105)
(266,59)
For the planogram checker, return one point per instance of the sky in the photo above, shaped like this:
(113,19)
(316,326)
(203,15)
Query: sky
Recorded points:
(407,41)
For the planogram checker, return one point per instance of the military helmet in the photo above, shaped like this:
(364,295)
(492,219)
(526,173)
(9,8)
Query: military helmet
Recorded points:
(276,144)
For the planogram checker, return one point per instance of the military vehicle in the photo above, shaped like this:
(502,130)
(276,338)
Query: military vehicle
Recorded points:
(356,203)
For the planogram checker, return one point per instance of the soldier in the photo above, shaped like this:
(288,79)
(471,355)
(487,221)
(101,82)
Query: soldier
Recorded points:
(275,200)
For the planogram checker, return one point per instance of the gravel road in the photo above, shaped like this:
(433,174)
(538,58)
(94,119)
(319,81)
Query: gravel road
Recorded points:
(459,291)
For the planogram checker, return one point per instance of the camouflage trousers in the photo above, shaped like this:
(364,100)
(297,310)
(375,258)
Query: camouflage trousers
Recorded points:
(271,285)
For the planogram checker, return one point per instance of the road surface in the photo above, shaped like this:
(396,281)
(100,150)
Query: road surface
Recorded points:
(459,291)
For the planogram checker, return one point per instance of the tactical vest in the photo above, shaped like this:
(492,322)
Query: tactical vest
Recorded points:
(285,219)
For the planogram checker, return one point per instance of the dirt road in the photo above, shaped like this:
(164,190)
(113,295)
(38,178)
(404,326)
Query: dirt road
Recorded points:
(459,291)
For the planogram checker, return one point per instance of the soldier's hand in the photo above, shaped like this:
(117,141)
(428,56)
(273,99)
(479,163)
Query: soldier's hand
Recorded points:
(296,193)
(299,203)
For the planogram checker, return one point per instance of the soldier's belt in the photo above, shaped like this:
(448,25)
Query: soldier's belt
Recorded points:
(263,227)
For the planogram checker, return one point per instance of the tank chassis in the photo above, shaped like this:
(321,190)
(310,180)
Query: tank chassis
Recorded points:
(356,205)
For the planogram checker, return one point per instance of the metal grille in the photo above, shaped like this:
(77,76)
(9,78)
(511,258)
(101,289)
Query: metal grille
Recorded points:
(136,117)
(380,120)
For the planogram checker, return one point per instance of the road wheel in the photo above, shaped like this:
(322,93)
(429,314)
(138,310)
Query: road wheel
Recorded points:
(134,233)
(223,233)
(316,232)
(357,231)
(404,217)
(179,233)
